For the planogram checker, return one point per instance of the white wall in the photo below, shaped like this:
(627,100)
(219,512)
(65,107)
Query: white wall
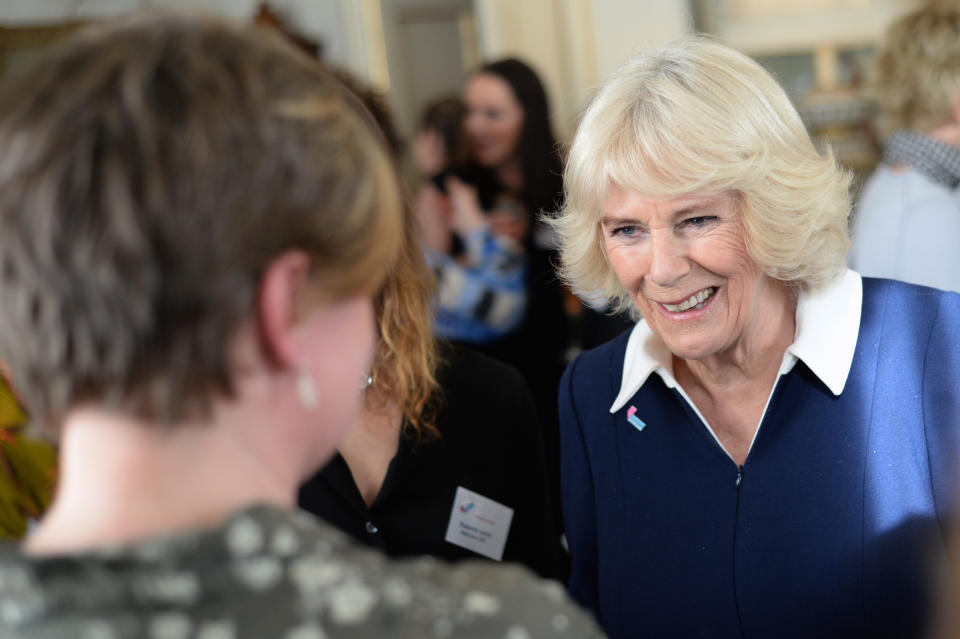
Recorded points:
(575,44)
(623,26)
(425,54)
(758,27)
(341,25)
(529,30)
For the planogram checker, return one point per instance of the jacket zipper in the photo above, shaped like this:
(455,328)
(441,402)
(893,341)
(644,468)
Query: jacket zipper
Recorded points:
(736,524)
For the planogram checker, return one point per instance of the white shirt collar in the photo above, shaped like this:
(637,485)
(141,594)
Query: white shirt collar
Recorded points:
(828,323)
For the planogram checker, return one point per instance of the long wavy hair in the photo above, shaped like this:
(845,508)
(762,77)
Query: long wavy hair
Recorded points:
(406,355)
(406,358)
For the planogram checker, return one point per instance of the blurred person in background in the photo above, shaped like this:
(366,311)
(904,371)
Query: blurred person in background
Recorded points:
(27,466)
(518,176)
(437,420)
(772,450)
(514,175)
(481,270)
(907,221)
(195,220)
(441,148)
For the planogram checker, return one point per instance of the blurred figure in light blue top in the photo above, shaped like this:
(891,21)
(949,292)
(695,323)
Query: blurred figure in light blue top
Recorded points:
(907,223)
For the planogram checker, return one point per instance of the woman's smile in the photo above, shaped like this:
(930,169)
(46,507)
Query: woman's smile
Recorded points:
(698,301)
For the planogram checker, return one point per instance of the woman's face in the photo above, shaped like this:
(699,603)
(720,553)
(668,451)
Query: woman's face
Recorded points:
(494,120)
(685,264)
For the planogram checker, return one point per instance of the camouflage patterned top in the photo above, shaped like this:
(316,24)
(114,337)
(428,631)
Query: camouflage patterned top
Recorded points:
(269,573)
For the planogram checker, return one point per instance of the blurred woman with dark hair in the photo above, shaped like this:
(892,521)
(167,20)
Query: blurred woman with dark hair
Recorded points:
(508,303)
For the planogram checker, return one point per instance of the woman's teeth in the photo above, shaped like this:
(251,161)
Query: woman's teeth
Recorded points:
(694,301)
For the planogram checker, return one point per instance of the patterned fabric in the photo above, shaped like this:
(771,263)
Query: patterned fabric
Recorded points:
(268,573)
(483,296)
(937,160)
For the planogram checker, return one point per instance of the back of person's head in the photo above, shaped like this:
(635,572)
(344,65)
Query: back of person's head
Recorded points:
(916,73)
(403,372)
(537,150)
(152,169)
(376,103)
(696,117)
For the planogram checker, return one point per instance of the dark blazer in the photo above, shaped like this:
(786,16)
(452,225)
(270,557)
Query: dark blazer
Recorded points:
(829,528)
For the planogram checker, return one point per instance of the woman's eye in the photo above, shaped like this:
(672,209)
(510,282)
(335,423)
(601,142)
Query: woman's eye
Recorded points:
(700,221)
(624,231)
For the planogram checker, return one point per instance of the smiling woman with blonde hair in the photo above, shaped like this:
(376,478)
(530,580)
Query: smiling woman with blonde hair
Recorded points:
(768,451)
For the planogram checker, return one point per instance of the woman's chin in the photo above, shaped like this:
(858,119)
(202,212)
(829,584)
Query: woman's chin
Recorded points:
(691,351)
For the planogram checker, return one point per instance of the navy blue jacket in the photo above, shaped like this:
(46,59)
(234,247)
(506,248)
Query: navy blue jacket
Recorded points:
(828,530)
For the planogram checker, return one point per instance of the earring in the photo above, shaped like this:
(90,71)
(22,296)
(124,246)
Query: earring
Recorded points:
(367,380)
(307,389)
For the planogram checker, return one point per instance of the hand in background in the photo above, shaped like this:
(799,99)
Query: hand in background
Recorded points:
(467,214)
(434,213)
(509,220)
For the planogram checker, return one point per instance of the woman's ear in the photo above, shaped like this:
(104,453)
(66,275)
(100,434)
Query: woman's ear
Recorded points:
(278,305)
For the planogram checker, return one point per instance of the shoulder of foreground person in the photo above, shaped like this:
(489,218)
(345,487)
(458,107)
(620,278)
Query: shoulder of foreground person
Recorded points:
(272,573)
(352,591)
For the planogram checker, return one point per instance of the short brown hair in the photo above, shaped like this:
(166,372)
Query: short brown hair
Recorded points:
(152,169)
(916,72)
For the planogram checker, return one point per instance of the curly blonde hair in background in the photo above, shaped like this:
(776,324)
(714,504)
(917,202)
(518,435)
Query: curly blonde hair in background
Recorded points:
(916,74)
(406,355)
(406,359)
(697,117)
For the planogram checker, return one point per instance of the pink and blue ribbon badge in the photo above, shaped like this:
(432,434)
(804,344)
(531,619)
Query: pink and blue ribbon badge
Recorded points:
(633,419)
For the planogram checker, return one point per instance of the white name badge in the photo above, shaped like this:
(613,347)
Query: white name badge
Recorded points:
(479,524)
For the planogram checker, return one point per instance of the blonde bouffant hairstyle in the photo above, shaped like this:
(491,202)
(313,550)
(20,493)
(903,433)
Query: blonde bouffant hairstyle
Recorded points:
(697,117)
(916,73)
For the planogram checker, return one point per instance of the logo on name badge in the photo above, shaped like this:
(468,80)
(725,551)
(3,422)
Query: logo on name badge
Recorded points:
(479,524)
(634,420)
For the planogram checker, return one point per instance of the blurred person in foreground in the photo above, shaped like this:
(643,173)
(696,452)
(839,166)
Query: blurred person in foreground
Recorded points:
(195,218)
(907,220)
(770,451)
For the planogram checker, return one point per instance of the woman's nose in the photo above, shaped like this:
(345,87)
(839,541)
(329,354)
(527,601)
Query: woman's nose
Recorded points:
(668,260)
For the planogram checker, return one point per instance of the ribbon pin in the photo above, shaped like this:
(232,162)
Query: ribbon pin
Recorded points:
(633,419)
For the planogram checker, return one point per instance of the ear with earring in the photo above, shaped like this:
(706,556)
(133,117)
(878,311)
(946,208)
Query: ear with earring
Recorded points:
(307,387)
